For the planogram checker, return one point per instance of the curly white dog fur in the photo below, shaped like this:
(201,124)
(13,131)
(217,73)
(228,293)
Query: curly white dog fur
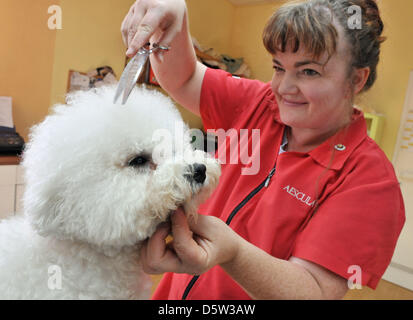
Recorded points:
(98,182)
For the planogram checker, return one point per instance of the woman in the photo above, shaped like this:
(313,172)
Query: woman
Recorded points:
(325,205)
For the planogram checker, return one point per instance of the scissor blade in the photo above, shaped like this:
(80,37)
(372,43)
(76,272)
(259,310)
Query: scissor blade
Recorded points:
(130,75)
(123,79)
(134,73)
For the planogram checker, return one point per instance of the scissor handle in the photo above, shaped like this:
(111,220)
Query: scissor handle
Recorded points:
(133,70)
(156,47)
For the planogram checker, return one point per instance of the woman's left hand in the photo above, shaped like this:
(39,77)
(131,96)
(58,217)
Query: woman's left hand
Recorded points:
(196,246)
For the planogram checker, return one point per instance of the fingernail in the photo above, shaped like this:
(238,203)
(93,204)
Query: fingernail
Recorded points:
(129,51)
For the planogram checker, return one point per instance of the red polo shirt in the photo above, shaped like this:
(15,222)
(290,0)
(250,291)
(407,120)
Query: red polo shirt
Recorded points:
(339,205)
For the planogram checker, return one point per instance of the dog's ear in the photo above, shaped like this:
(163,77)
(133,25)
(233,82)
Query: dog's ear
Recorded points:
(44,216)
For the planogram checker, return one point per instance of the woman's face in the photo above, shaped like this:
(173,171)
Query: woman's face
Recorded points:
(313,94)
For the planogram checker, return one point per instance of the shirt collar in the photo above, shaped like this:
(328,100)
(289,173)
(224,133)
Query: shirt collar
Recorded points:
(334,152)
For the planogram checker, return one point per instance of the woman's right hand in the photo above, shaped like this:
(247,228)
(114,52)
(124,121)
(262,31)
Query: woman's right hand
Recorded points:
(177,70)
(156,21)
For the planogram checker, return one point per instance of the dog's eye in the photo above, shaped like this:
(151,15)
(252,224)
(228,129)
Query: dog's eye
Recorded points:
(138,161)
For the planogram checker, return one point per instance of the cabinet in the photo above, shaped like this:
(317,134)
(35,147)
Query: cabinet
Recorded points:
(11,189)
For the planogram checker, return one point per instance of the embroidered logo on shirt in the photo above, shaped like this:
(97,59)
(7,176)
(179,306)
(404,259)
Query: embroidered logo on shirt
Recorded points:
(300,196)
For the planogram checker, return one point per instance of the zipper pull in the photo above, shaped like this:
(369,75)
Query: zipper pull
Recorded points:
(267,181)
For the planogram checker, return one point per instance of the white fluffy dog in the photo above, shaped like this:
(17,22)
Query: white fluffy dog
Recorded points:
(99,179)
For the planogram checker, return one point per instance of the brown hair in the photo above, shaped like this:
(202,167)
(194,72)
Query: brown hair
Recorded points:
(310,24)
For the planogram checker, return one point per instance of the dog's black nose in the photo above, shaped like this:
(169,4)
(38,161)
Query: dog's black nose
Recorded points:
(199,172)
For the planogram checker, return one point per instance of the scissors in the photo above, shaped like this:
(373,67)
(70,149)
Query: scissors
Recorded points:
(133,70)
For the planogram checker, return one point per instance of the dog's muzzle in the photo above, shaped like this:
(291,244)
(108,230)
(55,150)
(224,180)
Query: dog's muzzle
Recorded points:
(197,173)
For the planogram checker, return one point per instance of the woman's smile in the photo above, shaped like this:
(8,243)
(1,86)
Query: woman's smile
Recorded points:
(292,103)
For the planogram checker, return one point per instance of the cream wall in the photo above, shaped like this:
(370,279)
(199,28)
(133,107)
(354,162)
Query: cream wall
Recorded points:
(249,22)
(90,38)
(212,23)
(26,59)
